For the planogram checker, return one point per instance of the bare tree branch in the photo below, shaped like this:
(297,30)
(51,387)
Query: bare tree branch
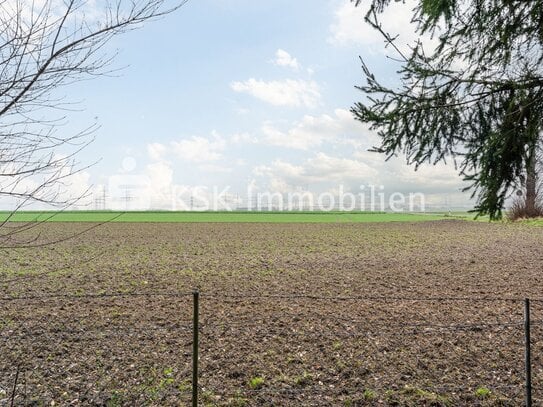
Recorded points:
(45,46)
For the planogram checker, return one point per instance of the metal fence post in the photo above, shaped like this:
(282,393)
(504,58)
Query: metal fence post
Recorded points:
(195,328)
(527,353)
(14,392)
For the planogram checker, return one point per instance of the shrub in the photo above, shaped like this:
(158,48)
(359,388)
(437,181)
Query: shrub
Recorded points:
(519,210)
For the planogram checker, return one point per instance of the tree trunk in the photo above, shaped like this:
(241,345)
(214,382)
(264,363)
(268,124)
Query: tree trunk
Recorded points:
(531,185)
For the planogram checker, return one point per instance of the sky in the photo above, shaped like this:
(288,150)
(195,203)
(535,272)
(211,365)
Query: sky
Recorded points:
(242,94)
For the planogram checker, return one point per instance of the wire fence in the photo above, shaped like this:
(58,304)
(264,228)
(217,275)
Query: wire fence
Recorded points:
(172,348)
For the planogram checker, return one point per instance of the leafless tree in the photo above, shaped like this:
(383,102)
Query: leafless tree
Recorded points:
(45,45)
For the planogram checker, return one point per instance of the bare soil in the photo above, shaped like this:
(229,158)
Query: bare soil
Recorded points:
(426,313)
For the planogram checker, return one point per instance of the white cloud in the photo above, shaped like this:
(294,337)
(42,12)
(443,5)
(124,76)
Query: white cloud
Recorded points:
(288,92)
(58,186)
(350,28)
(214,168)
(325,172)
(199,149)
(153,188)
(283,58)
(321,168)
(156,151)
(89,12)
(333,152)
(243,138)
(397,174)
(325,169)
(313,131)
(310,132)
(203,153)
(160,174)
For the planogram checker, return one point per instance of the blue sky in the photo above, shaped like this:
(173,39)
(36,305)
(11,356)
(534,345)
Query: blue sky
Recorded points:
(238,92)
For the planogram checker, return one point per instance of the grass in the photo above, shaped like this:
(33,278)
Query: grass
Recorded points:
(256,382)
(222,217)
(482,392)
(533,222)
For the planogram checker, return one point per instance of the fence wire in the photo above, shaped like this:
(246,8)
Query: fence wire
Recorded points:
(135,348)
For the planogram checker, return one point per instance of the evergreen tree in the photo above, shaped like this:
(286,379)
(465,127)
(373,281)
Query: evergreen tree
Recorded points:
(476,98)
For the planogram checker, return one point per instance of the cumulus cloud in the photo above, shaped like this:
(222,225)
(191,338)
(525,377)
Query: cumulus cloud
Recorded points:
(156,151)
(353,168)
(243,138)
(310,132)
(313,131)
(319,169)
(288,92)
(332,151)
(283,58)
(214,168)
(60,186)
(160,174)
(349,27)
(397,174)
(202,150)
(324,172)
(199,149)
